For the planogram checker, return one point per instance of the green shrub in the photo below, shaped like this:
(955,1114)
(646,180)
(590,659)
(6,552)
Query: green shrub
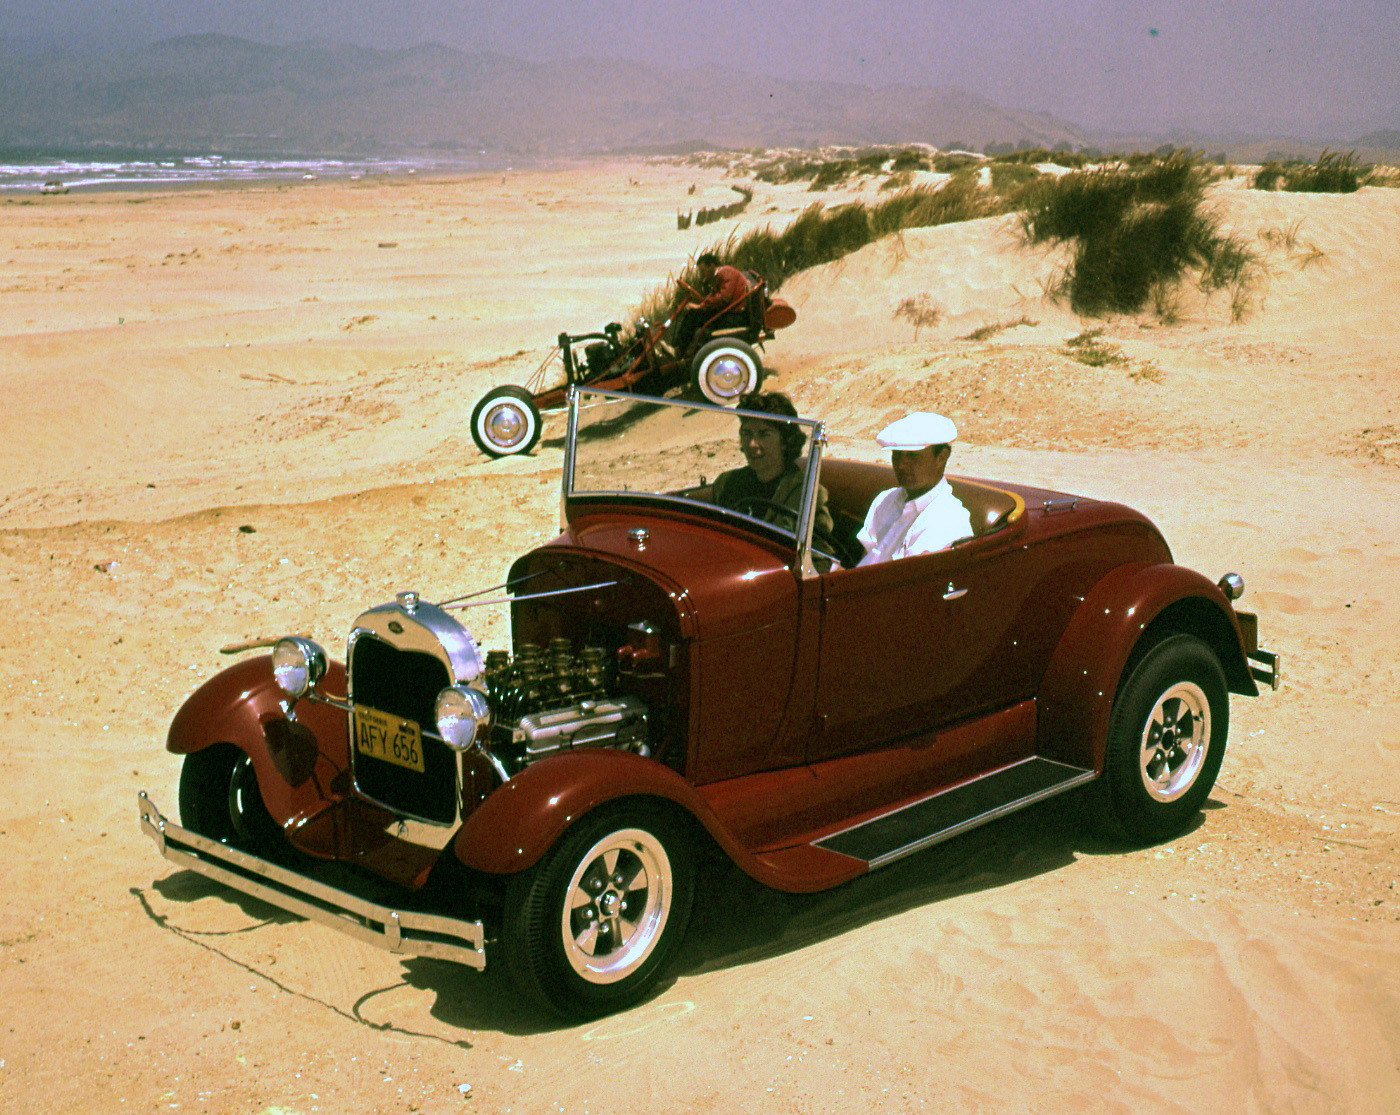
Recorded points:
(1024,157)
(833,173)
(951,164)
(911,158)
(1269,176)
(1090,348)
(781,171)
(1137,232)
(1333,173)
(1061,156)
(1009,180)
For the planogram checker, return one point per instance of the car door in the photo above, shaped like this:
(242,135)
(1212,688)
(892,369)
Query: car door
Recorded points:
(909,646)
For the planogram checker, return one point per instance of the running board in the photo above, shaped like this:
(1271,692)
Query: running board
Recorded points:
(911,828)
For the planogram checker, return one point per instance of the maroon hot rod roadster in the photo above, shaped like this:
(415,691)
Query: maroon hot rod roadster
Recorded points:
(684,675)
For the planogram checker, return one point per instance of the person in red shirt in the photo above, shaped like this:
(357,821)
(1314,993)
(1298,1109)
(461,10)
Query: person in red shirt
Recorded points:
(730,287)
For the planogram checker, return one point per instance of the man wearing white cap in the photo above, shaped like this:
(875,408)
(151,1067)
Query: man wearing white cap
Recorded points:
(922,514)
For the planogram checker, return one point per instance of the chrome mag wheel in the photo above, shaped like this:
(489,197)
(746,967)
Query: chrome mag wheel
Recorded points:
(591,927)
(1175,741)
(1166,740)
(617,905)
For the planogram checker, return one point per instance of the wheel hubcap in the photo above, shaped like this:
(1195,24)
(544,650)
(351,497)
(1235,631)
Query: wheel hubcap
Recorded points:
(1175,740)
(505,425)
(616,906)
(727,376)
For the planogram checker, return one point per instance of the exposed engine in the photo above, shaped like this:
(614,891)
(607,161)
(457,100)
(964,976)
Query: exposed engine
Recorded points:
(545,701)
(599,357)
(420,696)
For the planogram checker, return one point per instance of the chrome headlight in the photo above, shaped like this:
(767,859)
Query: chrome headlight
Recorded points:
(461,713)
(297,665)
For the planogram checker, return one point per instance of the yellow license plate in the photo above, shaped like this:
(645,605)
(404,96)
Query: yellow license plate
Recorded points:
(390,738)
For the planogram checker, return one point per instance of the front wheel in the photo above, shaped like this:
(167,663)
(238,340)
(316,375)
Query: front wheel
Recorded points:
(1166,740)
(590,928)
(506,422)
(725,370)
(219,798)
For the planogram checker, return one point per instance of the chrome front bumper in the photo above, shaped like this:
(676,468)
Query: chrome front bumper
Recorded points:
(409,932)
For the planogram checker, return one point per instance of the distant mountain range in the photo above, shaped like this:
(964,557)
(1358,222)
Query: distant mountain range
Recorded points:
(225,94)
(222,93)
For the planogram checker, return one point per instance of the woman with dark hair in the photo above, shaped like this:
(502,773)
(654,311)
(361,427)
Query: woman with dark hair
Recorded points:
(772,479)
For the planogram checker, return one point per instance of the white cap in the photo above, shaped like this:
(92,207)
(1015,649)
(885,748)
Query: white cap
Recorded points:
(918,431)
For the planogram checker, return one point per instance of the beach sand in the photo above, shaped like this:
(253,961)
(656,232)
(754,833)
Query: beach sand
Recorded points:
(237,413)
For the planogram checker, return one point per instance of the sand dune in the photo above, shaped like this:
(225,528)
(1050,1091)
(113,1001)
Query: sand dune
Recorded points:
(302,361)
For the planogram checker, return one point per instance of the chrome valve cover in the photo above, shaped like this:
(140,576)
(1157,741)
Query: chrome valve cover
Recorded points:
(616,722)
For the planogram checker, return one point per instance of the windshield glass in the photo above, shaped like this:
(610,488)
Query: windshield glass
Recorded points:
(752,465)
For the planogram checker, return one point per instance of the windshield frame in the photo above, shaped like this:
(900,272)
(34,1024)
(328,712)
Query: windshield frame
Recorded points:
(579,400)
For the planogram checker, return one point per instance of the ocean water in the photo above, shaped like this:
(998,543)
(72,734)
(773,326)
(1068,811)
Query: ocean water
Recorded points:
(30,171)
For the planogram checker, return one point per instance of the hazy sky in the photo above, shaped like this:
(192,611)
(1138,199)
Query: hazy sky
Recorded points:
(1300,67)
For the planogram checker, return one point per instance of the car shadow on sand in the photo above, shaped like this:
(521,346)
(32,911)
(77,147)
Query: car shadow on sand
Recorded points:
(189,886)
(738,921)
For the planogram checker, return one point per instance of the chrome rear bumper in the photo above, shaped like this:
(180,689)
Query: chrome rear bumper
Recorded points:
(409,932)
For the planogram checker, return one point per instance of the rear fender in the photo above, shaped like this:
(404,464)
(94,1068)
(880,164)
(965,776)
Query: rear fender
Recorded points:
(521,819)
(296,761)
(1130,609)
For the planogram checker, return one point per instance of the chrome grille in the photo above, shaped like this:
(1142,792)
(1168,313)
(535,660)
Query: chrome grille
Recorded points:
(404,683)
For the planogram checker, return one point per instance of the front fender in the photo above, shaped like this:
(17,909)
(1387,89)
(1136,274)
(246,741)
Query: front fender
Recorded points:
(521,819)
(296,761)
(1079,686)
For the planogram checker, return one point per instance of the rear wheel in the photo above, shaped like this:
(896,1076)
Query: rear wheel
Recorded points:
(505,422)
(725,370)
(1166,740)
(590,928)
(219,798)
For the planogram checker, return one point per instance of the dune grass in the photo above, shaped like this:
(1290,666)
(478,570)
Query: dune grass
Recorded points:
(828,170)
(911,159)
(720,212)
(1288,239)
(990,330)
(1091,349)
(919,311)
(1333,173)
(821,234)
(1138,232)
(1009,179)
(1036,155)
(1138,227)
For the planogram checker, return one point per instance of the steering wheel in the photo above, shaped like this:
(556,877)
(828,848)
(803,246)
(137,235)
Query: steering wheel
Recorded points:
(822,540)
